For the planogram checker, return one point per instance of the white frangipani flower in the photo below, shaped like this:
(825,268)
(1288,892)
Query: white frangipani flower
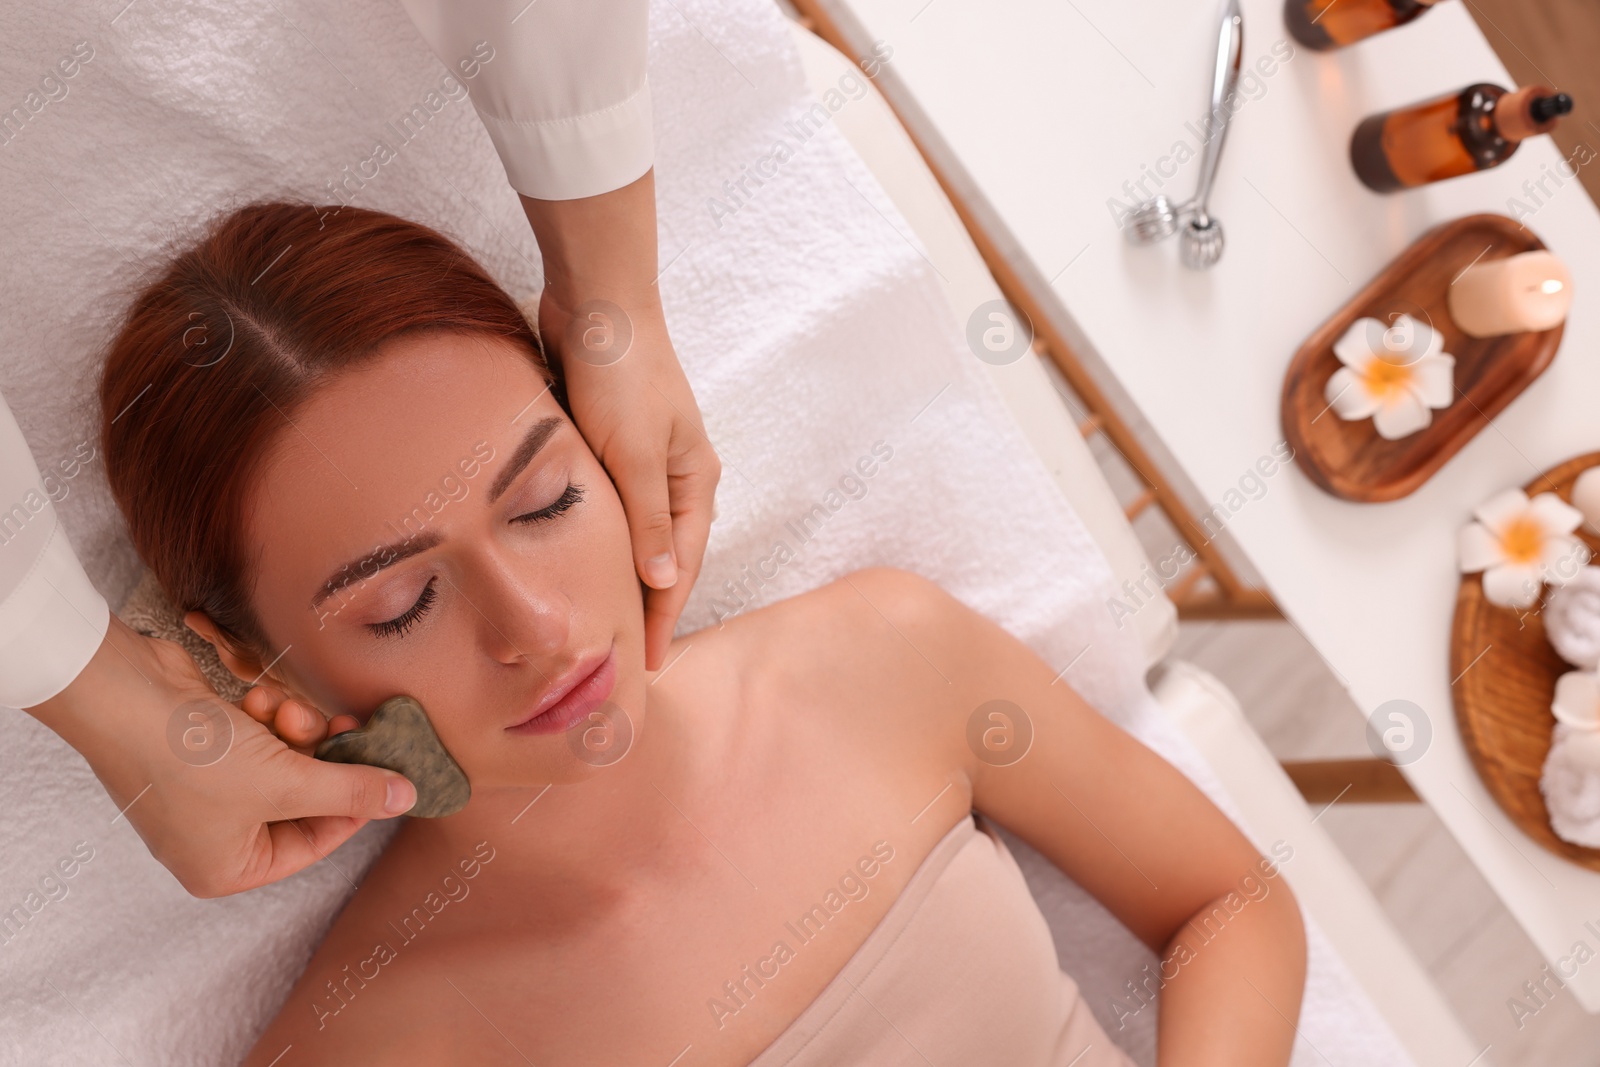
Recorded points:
(1519,544)
(1395,375)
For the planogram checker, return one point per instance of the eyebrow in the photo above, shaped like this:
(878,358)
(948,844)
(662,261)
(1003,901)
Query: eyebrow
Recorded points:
(388,555)
(538,434)
(383,556)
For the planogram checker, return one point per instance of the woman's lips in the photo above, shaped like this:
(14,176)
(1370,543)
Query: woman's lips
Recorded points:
(593,686)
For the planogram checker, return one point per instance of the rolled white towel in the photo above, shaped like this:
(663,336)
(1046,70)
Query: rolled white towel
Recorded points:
(1572,619)
(1570,783)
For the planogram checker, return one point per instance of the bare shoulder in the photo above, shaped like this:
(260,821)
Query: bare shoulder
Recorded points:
(876,595)
(873,651)
(896,594)
(368,996)
(855,616)
(350,1018)
(380,969)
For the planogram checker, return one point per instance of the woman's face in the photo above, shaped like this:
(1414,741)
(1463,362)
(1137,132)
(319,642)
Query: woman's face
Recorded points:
(432,523)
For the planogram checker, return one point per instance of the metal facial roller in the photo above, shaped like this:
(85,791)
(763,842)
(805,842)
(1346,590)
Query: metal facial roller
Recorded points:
(1200,246)
(1158,218)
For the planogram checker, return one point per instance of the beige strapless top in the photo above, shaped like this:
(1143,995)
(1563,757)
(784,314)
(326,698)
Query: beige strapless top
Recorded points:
(961,971)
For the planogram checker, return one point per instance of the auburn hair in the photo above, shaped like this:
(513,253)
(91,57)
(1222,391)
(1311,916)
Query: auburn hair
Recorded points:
(234,334)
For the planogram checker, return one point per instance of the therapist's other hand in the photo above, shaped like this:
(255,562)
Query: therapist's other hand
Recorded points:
(640,418)
(257,814)
(601,321)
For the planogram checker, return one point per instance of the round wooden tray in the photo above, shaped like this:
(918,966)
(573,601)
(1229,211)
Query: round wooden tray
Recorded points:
(1505,677)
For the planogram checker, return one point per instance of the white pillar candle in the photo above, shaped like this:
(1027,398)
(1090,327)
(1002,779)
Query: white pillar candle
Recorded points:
(1527,292)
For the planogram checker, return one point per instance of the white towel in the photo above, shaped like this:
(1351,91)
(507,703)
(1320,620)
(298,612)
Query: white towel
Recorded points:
(1570,782)
(811,328)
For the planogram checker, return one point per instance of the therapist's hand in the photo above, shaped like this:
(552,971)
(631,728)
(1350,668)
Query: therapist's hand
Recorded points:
(600,317)
(259,813)
(298,724)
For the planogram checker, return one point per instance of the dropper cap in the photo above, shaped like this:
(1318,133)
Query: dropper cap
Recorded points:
(1550,108)
(1528,111)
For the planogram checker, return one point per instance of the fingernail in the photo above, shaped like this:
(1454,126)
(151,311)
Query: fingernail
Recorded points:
(402,795)
(663,572)
(307,721)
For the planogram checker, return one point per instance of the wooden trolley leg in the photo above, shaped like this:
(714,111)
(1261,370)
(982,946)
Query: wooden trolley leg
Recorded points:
(1350,781)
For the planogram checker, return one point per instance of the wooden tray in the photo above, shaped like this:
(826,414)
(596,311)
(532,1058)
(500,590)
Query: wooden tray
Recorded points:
(1347,457)
(1502,699)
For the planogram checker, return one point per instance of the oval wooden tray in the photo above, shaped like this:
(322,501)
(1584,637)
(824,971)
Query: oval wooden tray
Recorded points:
(1347,457)
(1505,677)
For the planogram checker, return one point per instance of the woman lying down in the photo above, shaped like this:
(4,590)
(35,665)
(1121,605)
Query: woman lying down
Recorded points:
(779,852)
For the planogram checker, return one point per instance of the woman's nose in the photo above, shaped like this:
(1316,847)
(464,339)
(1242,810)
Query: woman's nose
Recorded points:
(522,614)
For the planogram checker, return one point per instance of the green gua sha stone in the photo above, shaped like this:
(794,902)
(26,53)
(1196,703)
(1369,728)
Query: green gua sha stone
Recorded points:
(399,737)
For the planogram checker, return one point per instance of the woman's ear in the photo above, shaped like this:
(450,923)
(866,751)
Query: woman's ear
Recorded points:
(239,661)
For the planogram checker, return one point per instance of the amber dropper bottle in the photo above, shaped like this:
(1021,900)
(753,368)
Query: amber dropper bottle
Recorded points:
(1459,133)
(1324,25)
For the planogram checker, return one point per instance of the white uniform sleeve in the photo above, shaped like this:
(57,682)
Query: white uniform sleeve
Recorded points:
(559,84)
(51,618)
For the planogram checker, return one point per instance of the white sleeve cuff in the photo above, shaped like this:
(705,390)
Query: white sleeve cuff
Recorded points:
(584,155)
(50,626)
(560,86)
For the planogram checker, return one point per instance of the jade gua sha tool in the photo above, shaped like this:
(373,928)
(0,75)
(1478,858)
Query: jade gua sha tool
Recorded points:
(399,737)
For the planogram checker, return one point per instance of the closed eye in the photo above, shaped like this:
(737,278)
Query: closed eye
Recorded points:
(572,495)
(397,627)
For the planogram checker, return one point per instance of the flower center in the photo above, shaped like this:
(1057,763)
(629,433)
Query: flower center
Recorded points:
(1385,379)
(1522,540)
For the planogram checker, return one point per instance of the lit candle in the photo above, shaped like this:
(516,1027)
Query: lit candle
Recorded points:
(1527,292)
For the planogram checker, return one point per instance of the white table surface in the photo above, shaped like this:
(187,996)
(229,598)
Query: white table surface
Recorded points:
(1050,105)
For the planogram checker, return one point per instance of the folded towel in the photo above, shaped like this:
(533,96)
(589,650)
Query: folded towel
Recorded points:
(151,612)
(812,330)
(1570,782)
